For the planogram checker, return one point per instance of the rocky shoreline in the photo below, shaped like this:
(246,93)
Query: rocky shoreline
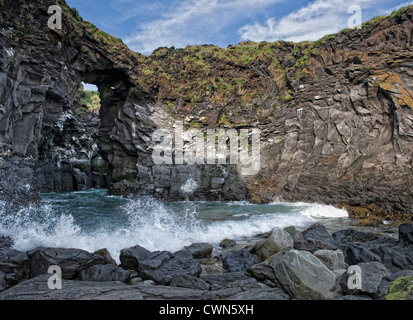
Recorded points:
(283,264)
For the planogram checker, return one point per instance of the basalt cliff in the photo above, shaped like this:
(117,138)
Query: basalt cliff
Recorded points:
(335,115)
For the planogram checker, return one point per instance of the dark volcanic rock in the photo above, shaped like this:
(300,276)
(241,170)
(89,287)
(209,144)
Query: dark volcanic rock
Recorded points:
(406,234)
(162,267)
(71,261)
(37,289)
(186,281)
(106,255)
(129,257)
(359,247)
(372,275)
(319,233)
(239,261)
(103,273)
(350,235)
(227,243)
(222,280)
(14,265)
(200,250)
(312,245)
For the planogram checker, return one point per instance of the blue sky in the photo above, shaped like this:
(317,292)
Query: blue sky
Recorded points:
(145,25)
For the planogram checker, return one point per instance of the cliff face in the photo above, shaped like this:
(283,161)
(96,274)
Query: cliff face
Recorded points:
(336,115)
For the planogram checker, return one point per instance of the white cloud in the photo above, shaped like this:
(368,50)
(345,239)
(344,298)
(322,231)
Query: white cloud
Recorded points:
(193,21)
(313,21)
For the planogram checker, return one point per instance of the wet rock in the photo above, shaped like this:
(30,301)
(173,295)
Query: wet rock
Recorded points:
(71,261)
(37,289)
(305,277)
(161,292)
(200,250)
(239,261)
(222,280)
(162,267)
(406,234)
(278,240)
(333,260)
(319,233)
(312,245)
(186,281)
(395,257)
(129,257)
(262,271)
(103,273)
(265,270)
(294,233)
(350,235)
(227,243)
(14,265)
(106,255)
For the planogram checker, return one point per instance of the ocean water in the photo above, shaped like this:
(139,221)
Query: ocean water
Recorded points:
(92,220)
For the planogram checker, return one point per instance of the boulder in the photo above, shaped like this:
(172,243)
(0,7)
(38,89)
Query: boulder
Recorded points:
(162,267)
(200,250)
(227,243)
(304,277)
(262,271)
(106,255)
(333,260)
(319,233)
(14,264)
(395,257)
(294,233)
(279,240)
(186,281)
(103,273)
(265,270)
(359,252)
(350,235)
(239,261)
(371,276)
(71,261)
(406,234)
(129,257)
(313,245)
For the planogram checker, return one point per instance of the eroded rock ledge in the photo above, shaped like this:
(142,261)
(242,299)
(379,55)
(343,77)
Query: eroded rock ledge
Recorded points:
(283,264)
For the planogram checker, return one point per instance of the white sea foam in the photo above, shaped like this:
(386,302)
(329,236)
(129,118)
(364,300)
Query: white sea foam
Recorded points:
(151,224)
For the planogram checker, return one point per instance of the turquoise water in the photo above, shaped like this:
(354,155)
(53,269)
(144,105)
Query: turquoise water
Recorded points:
(92,220)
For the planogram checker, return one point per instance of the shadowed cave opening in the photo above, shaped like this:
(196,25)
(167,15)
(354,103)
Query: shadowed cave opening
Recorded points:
(73,154)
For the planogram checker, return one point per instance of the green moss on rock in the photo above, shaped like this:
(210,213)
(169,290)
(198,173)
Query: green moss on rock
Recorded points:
(401,289)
